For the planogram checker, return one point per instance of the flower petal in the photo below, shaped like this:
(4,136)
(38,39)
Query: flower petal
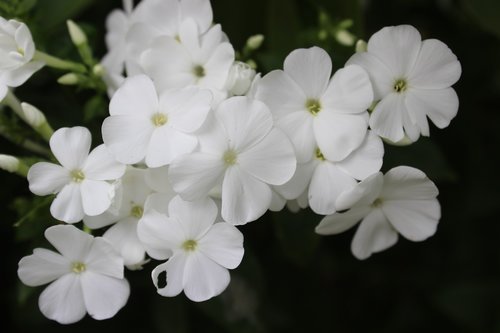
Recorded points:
(47,178)
(298,126)
(104,259)
(174,269)
(407,183)
(363,194)
(71,242)
(123,236)
(62,300)
(300,181)
(96,196)
(16,77)
(101,165)
(71,146)
(374,234)
(42,267)
(196,216)
(160,235)
(166,144)
(137,96)
(244,198)
(366,160)
(386,119)
(310,69)
(272,160)
(104,296)
(67,206)
(204,278)
(340,222)
(223,243)
(338,134)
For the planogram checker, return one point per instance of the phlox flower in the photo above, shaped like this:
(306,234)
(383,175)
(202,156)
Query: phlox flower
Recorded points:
(16,55)
(315,110)
(86,277)
(401,201)
(411,80)
(81,180)
(240,151)
(143,125)
(199,251)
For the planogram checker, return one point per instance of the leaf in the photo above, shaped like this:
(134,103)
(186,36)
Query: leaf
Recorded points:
(53,13)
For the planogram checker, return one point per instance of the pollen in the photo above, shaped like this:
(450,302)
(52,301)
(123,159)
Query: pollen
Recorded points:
(230,157)
(77,176)
(78,267)
(199,71)
(377,203)
(400,85)
(319,155)
(189,245)
(159,119)
(313,106)
(137,211)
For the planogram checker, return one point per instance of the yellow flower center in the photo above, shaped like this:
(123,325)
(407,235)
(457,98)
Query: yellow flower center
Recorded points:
(377,203)
(400,86)
(137,211)
(77,176)
(199,71)
(159,119)
(313,106)
(319,155)
(78,267)
(230,157)
(189,245)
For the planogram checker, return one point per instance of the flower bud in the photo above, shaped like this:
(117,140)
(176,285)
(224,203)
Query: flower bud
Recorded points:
(68,79)
(361,46)
(255,41)
(33,116)
(9,163)
(76,33)
(240,78)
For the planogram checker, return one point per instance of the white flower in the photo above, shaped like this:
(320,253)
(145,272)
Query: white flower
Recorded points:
(199,251)
(132,192)
(412,80)
(240,79)
(86,277)
(157,128)
(202,60)
(240,148)
(314,110)
(81,180)
(16,55)
(403,201)
(325,180)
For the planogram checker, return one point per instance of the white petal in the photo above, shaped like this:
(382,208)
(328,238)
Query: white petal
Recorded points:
(104,296)
(159,234)
(18,76)
(244,198)
(96,196)
(440,105)
(280,93)
(436,66)
(272,160)
(396,46)
(101,221)
(223,243)
(159,202)
(299,183)
(298,126)
(123,236)
(187,108)
(158,179)
(349,91)
(217,67)
(194,175)
(340,222)
(245,121)
(374,234)
(387,118)
(100,165)
(62,300)
(199,10)
(277,202)
(42,267)
(203,278)
(363,194)
(166,144)
(127,137)
(71,146)
(327,183)
(67,206)
(407,183)
(137,96)
(174,269)
(366,160)
(338,134)
(416,220)
(196,217)
(310,69)
(47,178)
(71,242)
(103,259)
(382,78)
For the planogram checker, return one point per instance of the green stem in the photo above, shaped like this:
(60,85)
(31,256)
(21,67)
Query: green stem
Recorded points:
(25,143)
(58,63)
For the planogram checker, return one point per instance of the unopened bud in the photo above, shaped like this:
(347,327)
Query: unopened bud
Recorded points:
(76,33)
(98,70)
(9,163)
(344,37)
(33,116)
(69,79)
(255,41)
(240,78)
(361,46)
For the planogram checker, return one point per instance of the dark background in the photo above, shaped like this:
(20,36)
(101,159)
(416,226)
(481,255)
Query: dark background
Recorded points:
(292,280)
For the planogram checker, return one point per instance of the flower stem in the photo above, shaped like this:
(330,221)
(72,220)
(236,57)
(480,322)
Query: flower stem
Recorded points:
(58,63)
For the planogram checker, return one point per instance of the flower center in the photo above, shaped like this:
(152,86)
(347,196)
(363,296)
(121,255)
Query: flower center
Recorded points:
(159,119)
(20,51)
(77,176)
(78,267)
(137,211)
(189,245)
(319,155)
(400,86)
(199,71)
(377,203)
(313,106)
(230,157)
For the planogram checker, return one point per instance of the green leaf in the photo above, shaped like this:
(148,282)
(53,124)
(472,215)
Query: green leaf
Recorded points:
(54,13)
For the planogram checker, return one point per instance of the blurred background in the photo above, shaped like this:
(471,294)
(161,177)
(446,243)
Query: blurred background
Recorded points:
(292,280)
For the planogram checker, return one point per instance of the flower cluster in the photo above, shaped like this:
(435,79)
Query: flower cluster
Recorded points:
(196,143)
